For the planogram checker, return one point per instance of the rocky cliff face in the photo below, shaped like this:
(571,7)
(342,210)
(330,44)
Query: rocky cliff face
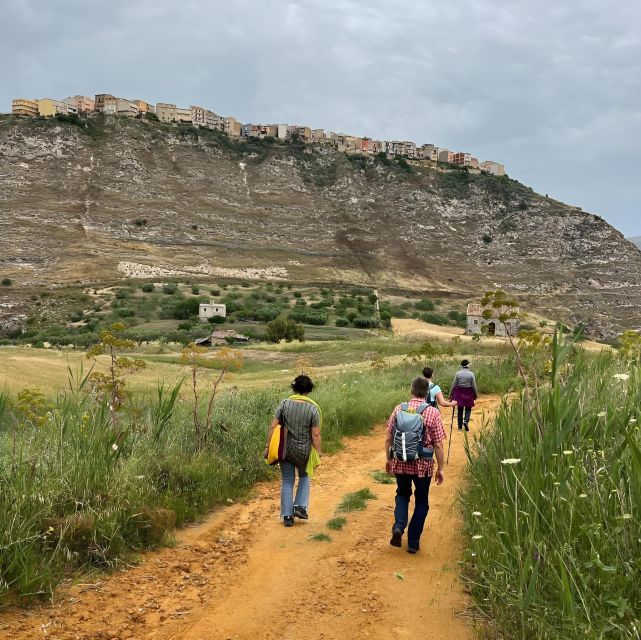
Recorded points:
(120,198)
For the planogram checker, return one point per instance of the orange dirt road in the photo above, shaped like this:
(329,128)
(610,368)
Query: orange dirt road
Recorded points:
(242,575)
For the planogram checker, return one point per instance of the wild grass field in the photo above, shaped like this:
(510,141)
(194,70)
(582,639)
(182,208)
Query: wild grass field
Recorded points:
(552,509)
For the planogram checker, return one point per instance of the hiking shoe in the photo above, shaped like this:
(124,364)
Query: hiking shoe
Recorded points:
(395,540)
(300,512)
(467,427)
(288,521)
(412,550)
(460,428)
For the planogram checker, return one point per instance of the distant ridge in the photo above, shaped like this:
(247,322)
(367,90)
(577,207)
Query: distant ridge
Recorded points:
(636,240)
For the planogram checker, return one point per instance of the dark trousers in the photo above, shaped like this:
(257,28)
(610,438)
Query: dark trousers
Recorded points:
(421,506)
(463,415)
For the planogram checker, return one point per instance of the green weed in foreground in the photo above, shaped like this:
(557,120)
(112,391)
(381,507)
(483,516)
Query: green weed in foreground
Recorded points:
(320,537)
(356,501)
(337,523)
(553,506)
(382,477)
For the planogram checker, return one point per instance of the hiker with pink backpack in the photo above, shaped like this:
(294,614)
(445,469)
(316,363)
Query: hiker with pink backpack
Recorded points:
(415,436)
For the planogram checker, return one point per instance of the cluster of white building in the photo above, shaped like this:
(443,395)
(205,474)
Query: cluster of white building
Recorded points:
(108,104)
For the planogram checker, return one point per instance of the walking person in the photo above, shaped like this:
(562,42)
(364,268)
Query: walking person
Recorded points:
(416,473)
(464,391)
(301,417)
(434,395)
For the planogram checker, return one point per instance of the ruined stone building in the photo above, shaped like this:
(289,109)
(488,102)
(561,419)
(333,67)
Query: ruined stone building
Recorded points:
(492,326)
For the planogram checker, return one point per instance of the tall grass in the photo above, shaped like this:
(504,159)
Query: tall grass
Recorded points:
(76,493)
(553,506)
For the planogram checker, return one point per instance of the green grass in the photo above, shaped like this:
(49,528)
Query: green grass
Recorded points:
(355,501)
(337,523)
(382,477)
(320,537)
(553,506)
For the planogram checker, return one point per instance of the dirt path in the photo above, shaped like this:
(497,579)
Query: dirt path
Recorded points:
(242,575)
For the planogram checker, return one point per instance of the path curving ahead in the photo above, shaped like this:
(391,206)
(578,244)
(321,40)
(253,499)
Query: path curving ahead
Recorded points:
(242,575)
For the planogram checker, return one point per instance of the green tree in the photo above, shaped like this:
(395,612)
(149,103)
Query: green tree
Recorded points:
(285,329)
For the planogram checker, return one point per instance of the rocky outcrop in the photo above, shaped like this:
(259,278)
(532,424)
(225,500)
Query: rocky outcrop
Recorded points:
(118,198)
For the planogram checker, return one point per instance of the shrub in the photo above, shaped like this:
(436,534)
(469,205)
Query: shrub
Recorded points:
(424,305)
(195,289)
(297,294)
(215,292)
(285,329)
(170,288)
(342,322)
(365,322)
(148,287)
(187,308)
(487,238)
(216,320)
(308,316)
(434,318)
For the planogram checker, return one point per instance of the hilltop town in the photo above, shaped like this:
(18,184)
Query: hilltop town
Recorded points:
(107,104)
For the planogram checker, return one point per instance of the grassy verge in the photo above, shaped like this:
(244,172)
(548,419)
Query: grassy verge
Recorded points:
(552,508)
(75,493)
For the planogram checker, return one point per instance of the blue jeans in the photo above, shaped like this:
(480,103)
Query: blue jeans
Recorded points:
(421,506)
(287,501)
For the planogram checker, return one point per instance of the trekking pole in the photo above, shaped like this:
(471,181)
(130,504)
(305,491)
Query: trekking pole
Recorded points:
(449,446)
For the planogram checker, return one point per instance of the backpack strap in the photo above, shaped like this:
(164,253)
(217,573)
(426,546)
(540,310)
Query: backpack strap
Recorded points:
(421,407)
(405,406)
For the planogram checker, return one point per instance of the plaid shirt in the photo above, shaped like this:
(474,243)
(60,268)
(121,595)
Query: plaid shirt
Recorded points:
(434,433)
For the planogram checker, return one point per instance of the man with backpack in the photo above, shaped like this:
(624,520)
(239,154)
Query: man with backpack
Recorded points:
(415,436)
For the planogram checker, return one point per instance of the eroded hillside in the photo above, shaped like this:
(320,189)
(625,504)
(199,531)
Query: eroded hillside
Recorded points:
(121,198)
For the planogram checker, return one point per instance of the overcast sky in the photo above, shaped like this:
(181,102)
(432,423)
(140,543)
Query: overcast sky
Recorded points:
(552,90)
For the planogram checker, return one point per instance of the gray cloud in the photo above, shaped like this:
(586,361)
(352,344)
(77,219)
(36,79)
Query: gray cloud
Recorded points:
(553,91)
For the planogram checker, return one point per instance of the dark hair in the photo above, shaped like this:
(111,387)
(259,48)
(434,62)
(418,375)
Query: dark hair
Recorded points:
(465,363)
(420,387)
(302,384)
(428,372)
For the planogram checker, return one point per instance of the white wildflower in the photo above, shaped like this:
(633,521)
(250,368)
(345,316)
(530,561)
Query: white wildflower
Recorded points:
(568,453)
(511,461)
(583,495)
(602,414)
(621,376)
(476,537)
(476,513)
(557,484)
(114,446)
(632,421)
(627,516)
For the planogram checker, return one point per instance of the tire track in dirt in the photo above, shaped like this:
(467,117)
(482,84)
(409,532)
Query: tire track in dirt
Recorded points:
(242,575)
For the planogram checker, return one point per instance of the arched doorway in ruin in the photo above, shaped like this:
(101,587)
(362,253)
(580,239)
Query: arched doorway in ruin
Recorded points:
(491,329)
